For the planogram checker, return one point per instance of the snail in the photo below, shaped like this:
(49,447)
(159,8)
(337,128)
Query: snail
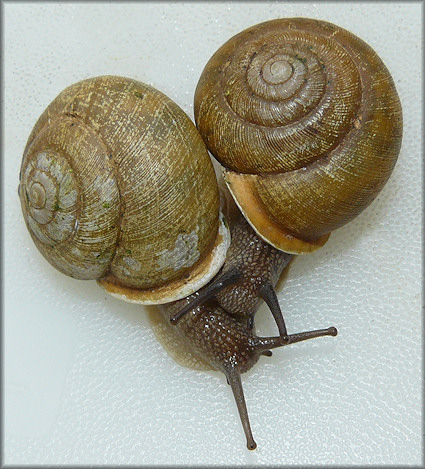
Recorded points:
(306,122)
(108,193)
(305,118)
(274,177)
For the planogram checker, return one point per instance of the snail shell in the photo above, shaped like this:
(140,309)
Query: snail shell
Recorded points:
(306,120)
(108,192)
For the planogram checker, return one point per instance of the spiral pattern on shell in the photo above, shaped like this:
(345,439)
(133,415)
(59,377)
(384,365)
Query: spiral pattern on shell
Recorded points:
(70,198)
(110,182)
(306,120)
(50,186)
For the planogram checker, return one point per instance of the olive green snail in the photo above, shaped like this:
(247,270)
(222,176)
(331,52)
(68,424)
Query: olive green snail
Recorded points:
(306,122)
(108,193)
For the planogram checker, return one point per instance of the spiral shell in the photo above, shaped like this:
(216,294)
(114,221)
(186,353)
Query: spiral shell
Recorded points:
(111,180)
(306,120)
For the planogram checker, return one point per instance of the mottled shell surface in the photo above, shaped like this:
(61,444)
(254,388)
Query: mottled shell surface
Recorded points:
(117,185)
(306,120)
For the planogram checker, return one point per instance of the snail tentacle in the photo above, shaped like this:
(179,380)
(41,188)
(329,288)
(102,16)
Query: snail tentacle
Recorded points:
(234,379)
(268,294)
(220,282)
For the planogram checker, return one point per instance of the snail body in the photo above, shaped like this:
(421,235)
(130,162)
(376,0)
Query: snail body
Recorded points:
(248,276)
(216,324)
(226,342)
(260,266)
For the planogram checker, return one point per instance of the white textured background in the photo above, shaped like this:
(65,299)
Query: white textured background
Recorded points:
(85,380)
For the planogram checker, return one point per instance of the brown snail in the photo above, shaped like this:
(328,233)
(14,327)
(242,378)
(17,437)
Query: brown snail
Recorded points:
(305,118)
(216,326)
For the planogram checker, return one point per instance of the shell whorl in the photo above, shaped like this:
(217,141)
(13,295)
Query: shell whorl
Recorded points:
(71,199)
(306,120)
(50,185)
(111,180)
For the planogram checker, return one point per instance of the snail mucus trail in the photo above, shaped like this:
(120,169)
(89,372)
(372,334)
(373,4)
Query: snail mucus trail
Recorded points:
(305,120)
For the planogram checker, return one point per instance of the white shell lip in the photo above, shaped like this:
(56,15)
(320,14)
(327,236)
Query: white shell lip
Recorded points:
(178,289)
(290,245)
